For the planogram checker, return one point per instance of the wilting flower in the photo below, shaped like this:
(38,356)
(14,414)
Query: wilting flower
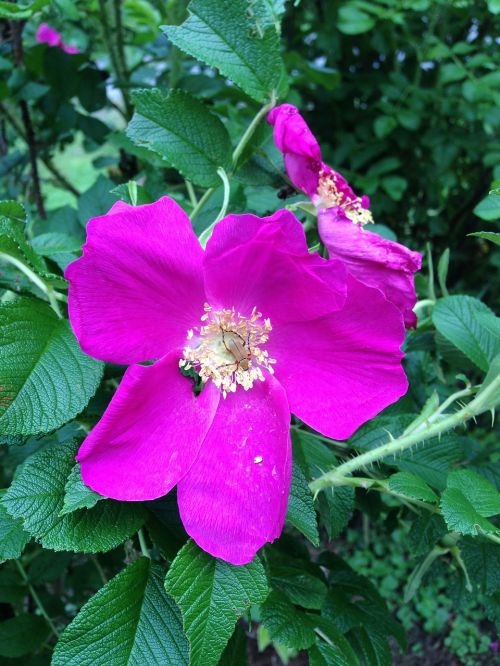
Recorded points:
(47,35)
(342,215)
(269,328)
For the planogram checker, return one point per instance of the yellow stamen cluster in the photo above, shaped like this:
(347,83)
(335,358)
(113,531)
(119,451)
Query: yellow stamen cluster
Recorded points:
(226,349)
(329,196)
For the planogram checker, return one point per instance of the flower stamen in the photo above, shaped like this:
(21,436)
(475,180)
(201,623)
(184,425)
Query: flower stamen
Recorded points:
(330,195)
(227,349)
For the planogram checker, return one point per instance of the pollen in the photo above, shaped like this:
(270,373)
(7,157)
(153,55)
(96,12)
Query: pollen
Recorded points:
(329,195)
(227,348)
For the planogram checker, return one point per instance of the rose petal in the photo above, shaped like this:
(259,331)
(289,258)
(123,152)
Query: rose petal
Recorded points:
(301,151)
(137,289)
(342,369)
(266,273)
(149,435)
(282,228)
(234,498)
(377,262)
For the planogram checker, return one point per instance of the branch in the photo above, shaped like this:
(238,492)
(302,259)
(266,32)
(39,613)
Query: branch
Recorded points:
(17,50)
(47,161)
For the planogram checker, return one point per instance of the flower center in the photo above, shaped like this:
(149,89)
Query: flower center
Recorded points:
(226,348)
(329,195)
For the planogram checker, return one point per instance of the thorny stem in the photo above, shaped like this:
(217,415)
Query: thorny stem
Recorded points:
(52,295)
(486,399)
(36,598)
(142,543)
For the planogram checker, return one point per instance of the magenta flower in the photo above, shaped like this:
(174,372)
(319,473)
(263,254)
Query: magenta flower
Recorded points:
(342,215)
(270,329)
(47,35)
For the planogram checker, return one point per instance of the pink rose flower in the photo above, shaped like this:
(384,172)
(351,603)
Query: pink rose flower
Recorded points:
(47,35)
(269,328)
(342,215)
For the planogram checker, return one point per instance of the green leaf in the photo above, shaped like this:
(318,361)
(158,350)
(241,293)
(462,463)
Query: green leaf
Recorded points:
(22,634)
(302,582)
(14,247)
(58,247)
(235,38)
(482,560)
(36,495)
(483,495)
(442,270)
(212,595)
(332,648)
(492,236)
(77,494)
(235,653)
(97,200)
(372,647)
(383,126)
(131,621)
(489,208)
(492,375)
(354,21)
(13,538)
(336,506)
(457,318)
(183,131)
(8,10)
(323,654)
(427,529)
(286,624)
(461,516)
(410,485)
(301,511)
(46,379)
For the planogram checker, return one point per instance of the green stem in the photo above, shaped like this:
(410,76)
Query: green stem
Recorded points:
(142,543)
(251,129)
(206,233)
(37,281)
(206,196)
(191,194)
(487,398)
(424,303)
(36,598)
(432,291)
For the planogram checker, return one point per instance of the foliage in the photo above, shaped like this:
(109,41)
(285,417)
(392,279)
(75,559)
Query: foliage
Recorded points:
(393,531)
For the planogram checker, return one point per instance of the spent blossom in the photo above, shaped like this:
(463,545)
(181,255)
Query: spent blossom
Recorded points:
(343,215)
